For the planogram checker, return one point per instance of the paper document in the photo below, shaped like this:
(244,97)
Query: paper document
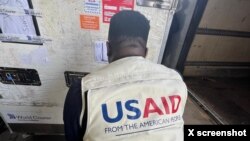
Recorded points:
(12,24)
(101,52)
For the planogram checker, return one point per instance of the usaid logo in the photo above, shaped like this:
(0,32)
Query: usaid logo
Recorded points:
(150,107)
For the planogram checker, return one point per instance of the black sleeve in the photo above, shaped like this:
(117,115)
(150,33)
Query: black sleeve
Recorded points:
(71,113)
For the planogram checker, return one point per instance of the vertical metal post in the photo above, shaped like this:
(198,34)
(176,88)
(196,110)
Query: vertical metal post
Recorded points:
(185,22)
(198,12)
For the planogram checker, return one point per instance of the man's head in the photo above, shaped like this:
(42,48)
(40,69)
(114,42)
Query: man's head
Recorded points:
(128,35)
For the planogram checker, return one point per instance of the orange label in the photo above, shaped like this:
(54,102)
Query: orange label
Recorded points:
(90,22)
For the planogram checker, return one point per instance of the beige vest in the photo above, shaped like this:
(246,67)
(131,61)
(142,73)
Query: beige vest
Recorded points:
(134,99)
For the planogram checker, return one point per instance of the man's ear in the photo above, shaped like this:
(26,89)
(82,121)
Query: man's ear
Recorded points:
(108,49)
(146,52)
(109,52)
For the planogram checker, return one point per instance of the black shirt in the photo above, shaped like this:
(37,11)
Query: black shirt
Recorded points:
(71,113)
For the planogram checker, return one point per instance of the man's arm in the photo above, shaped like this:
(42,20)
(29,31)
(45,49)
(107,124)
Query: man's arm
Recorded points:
(72,112)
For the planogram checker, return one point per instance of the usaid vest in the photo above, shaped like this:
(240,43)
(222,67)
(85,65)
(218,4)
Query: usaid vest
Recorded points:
(134,99)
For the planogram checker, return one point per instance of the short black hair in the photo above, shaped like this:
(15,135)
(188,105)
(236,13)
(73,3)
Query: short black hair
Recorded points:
(128,25)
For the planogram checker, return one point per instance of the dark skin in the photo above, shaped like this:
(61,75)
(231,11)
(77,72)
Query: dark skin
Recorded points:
(125,49)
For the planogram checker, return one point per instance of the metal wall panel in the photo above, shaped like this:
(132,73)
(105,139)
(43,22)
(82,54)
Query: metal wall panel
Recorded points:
(71,49)
(219,49)
(227,15)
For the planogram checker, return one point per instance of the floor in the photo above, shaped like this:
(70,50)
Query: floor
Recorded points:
(227,98)
(193,115)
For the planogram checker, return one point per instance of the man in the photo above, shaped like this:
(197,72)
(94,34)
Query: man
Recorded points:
(131,98)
